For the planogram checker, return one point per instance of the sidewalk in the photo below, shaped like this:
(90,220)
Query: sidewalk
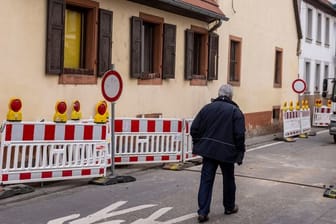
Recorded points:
(33,190)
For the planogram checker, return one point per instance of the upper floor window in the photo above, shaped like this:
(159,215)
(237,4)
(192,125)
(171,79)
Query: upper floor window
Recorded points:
(326,71)
(234,60)
(153,46)
(278,68)
(307,75)
(327,32)
(201,56)
(319,28)
(72,47)
(309,27)
(317,77)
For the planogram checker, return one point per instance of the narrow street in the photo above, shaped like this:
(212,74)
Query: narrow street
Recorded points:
(279,182)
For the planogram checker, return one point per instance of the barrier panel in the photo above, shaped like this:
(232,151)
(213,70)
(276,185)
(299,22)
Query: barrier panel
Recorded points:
(187,139)
(321,116)
(48,151)
(145,140)
(305,122)
(291,123)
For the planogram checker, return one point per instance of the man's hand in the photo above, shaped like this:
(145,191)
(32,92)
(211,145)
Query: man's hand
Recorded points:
(240,158)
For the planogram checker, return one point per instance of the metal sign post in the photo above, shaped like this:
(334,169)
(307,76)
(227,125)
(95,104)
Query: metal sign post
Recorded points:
(111,89)
(112,148)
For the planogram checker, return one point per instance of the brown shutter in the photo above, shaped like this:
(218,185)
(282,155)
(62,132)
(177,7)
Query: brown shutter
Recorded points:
(189,52)
(213,57)
(105,41)
(169,51)
(55,37)
(136,35)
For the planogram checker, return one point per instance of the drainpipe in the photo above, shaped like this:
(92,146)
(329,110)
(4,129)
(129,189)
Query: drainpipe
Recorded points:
(216,26)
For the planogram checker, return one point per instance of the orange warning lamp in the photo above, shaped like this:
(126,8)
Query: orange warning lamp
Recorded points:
(297,107)
(285,108)
(318,103)
(291,107)
(101,112)
(75,113)
(14,112)
(306,105)
(60,112)
(329,103)
(302,104)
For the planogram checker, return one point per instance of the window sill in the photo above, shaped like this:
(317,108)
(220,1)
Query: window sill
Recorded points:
(309,40)
(77,79)
(234,83)
(154,81)
(277,85)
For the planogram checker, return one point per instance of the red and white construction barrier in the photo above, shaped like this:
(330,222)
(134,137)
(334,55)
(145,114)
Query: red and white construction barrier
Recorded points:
(305,122)
(187,139)
(142,140)
(291,123)
(42,151)
(48,151)
(321,116)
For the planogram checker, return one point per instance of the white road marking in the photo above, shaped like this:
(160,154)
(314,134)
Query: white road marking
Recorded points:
(64,219)
(105,213)
(276,143)
(264,146)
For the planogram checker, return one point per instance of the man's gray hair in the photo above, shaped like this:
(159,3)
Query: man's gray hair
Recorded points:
(226,90)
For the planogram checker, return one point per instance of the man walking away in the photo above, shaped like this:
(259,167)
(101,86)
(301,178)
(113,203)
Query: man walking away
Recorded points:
(218,135)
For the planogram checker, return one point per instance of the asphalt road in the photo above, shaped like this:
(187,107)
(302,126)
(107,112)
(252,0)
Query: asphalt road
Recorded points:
(279,182)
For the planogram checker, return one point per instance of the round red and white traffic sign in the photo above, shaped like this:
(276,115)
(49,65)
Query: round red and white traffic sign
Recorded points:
(112,85)
(299,85)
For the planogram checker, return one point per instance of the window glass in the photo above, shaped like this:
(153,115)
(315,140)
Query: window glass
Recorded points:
(307,75)
(278,68)
(309,23)
(317,77)
(234,60)
(72,40)
(148,46)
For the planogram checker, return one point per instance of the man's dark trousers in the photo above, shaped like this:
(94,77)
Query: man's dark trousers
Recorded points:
(208,175)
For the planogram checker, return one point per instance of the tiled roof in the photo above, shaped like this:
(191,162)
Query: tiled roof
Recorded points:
(323,5)
(210,5)
(205,10)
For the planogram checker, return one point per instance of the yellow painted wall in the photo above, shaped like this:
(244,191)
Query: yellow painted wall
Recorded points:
(263,25)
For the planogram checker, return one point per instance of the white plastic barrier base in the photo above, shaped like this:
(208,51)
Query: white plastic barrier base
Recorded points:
(291,123)
(296,122)
(321,116)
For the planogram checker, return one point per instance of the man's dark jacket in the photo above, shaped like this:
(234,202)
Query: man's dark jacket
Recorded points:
(218,131)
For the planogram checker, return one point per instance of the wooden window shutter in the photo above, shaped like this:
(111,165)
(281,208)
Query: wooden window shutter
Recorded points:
(55,37)
(189,52)
(105,41)
(169,51)
(136,46)
(213,57)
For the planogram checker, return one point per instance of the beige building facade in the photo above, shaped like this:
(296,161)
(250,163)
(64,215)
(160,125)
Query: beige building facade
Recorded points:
(250,44)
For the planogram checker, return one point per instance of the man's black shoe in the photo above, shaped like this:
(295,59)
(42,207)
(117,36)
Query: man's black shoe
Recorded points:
(202,218)
(231,211)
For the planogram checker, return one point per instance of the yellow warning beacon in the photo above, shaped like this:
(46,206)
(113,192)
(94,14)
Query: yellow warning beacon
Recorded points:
(14,112)
(76,114)
(60,112)
(101,112)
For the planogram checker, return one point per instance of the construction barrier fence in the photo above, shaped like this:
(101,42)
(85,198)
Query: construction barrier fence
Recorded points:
(49,151)
(296,120)
(321,116)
